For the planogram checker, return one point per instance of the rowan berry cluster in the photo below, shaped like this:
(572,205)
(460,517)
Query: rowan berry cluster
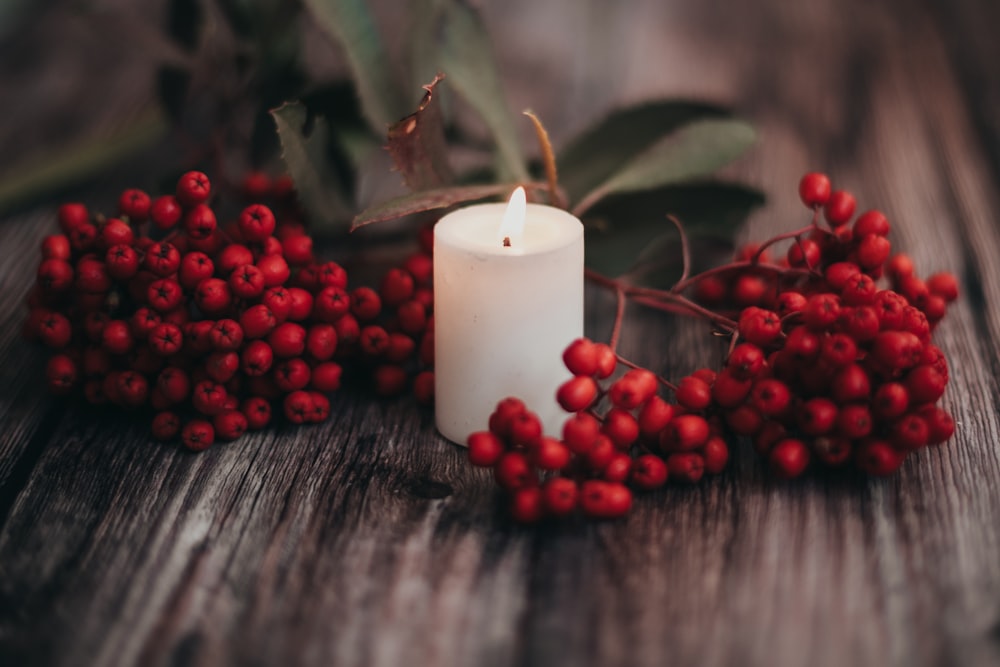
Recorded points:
(824,366)
(162,308)
(620,436)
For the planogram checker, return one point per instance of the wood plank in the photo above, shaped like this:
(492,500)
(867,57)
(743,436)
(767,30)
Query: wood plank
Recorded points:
(369,541)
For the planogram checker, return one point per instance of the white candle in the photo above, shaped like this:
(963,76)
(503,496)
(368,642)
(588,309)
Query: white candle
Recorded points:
(508,299)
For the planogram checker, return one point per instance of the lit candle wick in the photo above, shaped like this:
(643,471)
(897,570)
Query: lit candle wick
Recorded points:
(511,228)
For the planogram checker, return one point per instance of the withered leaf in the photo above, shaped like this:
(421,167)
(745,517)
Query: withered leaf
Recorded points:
(417,145)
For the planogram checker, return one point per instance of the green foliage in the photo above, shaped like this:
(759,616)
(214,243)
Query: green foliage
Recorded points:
(235,80)
(308,165)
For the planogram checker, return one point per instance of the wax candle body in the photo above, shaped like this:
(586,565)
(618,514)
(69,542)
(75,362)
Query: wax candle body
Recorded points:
(503,315)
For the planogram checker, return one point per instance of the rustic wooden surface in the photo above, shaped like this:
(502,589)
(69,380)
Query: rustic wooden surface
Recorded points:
(369,540)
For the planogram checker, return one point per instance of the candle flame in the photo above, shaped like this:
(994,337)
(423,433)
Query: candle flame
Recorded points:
(511,230)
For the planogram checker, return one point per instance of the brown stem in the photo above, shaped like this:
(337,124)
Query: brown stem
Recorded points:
(685,250)
(616,330)
(659,378)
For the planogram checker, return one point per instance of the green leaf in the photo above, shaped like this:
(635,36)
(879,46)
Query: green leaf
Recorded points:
(467,60)
(693,151)
(416,144)
(350,23)
(307,161)
(593,156)
(628,229)
(429,200)
(44,175)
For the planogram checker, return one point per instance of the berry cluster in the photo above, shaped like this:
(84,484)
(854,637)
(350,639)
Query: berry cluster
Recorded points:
(824,365)
(620,437)
(392,328)
(163,308)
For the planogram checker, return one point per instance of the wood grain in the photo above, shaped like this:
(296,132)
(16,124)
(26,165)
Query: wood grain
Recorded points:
(368,540)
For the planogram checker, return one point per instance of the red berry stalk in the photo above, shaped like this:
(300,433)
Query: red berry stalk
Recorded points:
(205,326)
(825,366)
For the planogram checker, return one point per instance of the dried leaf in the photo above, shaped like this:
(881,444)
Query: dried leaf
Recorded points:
(630,229)
(596,154)
(417,146)
(429,200)
(350,23)
(307,162)
(693,151)
(468,62)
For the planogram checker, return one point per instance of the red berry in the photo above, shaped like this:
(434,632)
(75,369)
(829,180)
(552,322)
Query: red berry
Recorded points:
(72,215)
(397,287)
(257,321)
(166,426)
(550,454)
(580,357)
(326,377)
(746,361)
(209,397)
(729,391)
(200,222)
(298,407)
(693,393)
(879,458)
(607,361)
(789,458)
(686,466)
(685,432)
(604,500)
(166,212)
(503,416)
(804,253)
(648,472)
(944,285)
(287,340)
(580,432)
(229,425)
(257,411)
(839,208)
(291,375)
(513,471)
(246,282)
(256,223)
(618,468)
(198,435)
(758,326)
(621,427)
(770,396)
(62,373)
(275,270)
(633,389)
(814,189)
(871,222)
(560,496)
(577,393)
(716,455)
(56,246)
(817,416)
(212,295)
(366,304)
(654,416)
(193,188)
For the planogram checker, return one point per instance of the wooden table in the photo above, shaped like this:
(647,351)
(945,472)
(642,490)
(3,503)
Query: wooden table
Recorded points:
(369,540)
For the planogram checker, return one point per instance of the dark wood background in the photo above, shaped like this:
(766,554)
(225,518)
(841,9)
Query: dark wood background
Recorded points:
(368,540)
